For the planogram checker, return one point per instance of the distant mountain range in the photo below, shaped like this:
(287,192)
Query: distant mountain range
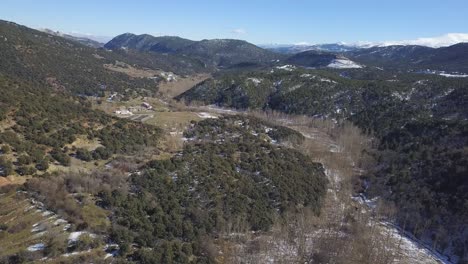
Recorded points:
(292,49)
(434,42)
(453,58)
(319,59)
(83,40)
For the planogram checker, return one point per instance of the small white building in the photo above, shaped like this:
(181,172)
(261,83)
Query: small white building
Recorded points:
(146,105)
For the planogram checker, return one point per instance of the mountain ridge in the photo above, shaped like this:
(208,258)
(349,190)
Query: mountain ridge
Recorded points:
(222,53)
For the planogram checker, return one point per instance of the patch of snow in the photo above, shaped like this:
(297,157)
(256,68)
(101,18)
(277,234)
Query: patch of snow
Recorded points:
(445,74)
(37,228)
(454,75)
(74,236)
(46,213)
(400,96)
(256,81)
(343,64)
(29,208)
(286,67)
(371,203)
(206,115)
(60,221)
(413,249)
(36,247)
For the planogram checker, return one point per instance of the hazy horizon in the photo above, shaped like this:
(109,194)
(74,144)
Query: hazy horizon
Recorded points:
(259,22)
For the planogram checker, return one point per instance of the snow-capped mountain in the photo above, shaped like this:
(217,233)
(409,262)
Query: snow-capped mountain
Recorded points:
(432,42)
(301,47)
(87,40)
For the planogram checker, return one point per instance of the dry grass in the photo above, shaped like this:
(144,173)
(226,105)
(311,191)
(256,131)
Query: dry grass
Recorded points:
(15,213)
(175,88)
(84,142)
(132,71)
(4,181)
(173,121)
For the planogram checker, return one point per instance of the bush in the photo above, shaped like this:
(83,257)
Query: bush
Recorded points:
(83,154)
(61,157)
(24,159)
(26,170)
(42,165)
(6,149)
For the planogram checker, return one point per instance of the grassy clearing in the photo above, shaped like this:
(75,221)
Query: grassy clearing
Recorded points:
(96,217)
(84,142)
(173,120)
(76,165)
(110,107)
(174,88)
(132,71)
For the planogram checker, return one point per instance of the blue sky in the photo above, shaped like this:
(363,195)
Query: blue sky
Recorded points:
(257,21)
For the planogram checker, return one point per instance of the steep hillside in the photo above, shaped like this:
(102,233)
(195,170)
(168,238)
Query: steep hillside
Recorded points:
(229,52)
(38,124)
(66,64)
(214,53)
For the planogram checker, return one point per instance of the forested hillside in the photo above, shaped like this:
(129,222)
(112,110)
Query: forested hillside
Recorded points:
(101,177)
(421,122)
(228,178)
(38,123)
(214,53)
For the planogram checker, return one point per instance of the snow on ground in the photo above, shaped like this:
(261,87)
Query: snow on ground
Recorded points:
(36,247)
(445,74)
(37,228)
(412,250)
(47,213)
(453,75)
(76,253)
(256,81)
(343,64)
(206,115)
(218,109)
(60,221)
(286,67)
(74,236)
